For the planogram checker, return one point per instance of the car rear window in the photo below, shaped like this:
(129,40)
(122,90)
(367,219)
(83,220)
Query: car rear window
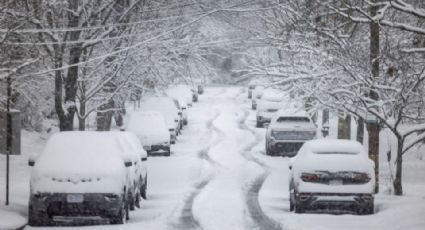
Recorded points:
(339,152)
(293,119)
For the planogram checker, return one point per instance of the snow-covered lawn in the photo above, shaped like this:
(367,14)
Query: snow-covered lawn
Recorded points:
(218,177)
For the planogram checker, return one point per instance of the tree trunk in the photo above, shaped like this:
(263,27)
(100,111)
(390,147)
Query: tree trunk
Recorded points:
(65,124)
(373,129)
(398,189)
(360,130)
(325,122)
(104,118)
(82,120)
(344,127)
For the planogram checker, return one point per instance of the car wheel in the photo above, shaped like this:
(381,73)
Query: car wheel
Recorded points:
(369,210)
(143,190)
(184,122)
(167,153)
(137,199)
(259,125)
(122,215)
(291,200)
(298,207)
(131,202)
(37,219)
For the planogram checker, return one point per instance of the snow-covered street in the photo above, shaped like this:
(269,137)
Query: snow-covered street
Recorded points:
(218,177)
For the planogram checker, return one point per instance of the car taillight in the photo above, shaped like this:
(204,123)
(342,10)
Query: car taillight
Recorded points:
(360,177)
(310,177)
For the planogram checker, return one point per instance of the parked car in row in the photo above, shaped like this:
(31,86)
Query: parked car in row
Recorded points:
(251,88)
(151,129)
(166,106)
(256,96)
(86,177)
(200,89)
(181,92)
(332,175)
(271,101)
(287,132)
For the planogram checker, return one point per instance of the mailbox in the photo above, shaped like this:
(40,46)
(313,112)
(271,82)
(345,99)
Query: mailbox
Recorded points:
(16,132)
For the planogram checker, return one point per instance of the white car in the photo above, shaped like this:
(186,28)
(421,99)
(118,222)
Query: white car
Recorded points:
(181,91)
(80,176)
(152,131)
(256,95)
(332,175)
(287,132)
(271,101)
(133,153)
(182,104)
(166,106)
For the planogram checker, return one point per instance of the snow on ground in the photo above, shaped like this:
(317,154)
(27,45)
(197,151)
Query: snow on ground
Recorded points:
(218,177)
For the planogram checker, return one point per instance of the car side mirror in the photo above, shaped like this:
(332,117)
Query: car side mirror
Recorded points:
(144,158)
(128,163)
(31,162)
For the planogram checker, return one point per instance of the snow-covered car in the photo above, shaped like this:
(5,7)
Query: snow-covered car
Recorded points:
(251,88)
(134,144)
(164,105)
(332,175)
(133,152)
(200,89)
(179,91)
(151,129)
(194,95)
(287,132)
(182,104)
(79,177)
(179,108)
(256,95)
(271,101)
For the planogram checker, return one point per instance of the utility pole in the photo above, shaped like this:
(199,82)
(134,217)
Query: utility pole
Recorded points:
(8,134)
(373,128)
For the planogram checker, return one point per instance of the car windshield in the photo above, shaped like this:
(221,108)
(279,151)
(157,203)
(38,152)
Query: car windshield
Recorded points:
(293,135)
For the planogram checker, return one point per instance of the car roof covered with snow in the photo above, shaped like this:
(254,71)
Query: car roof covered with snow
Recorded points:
(274,95)
(130,145)
(147,122)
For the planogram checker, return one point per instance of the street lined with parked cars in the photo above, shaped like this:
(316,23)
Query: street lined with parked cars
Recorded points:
(326,175)
(101,177)
(89,177)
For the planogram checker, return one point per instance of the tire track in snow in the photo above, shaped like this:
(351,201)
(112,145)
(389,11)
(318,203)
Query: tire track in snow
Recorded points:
(187,220)
(203,154)
(261,220)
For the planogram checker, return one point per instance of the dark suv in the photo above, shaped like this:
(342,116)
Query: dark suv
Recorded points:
(79,179)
